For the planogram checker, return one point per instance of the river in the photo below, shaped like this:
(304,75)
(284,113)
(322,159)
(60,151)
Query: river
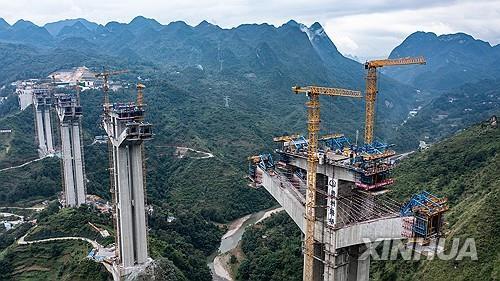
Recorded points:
(231,239)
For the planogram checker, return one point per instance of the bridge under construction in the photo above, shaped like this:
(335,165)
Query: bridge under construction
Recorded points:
(126,129)
(335,190)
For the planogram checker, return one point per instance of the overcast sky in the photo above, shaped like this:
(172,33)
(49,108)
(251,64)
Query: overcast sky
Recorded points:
(367,29)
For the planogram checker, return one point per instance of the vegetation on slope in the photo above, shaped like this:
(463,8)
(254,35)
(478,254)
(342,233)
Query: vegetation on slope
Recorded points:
(272,251)
(449,113)
(15,147)
(72,222)
(464,169)
(35,182)
(61,260)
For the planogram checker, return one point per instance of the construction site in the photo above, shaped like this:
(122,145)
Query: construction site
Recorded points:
(335,190)
(126,130)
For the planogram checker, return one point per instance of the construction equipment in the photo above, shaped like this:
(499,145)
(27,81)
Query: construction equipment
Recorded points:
(112,173)
(330,136)
(371,88)
(263,161)
(313,108)
(286,138)
(423,215)
(140,95)
(105,76)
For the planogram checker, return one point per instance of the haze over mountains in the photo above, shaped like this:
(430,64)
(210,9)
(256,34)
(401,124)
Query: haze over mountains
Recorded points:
(264,57)
(258,56)
(456,57)
(189,70)
(452,59)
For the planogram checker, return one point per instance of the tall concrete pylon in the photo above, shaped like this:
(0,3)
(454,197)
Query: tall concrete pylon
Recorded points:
(42,101)
(126,131)
(70,113)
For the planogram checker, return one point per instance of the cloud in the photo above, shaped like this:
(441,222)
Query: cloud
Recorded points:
(362,28)
(375,33)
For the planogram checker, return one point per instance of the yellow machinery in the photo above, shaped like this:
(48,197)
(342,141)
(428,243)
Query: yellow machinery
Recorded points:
(285,138)
(313,110)
(371,88)
(140,95)
(105,76)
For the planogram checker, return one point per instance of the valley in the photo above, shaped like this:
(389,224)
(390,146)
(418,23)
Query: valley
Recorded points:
(214,97)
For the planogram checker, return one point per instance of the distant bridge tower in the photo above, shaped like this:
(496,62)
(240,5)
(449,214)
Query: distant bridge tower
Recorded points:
(69,112)
(42,101)
(126,130)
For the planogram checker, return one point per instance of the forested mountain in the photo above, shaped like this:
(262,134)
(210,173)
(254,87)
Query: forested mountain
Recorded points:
(452,60)
(463,168)
(263,57)
(188,71)
(449,113)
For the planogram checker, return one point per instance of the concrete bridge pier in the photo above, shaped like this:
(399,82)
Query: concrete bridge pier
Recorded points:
(70,114)
(339,242)
(127,131)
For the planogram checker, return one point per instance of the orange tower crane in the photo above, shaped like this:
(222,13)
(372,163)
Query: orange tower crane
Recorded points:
(371,88)
(313,110)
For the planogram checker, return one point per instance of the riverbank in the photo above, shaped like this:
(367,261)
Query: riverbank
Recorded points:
(219,263)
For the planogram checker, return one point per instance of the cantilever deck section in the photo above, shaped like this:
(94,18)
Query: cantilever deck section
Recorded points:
(126,131)
(359,215)
(70,113)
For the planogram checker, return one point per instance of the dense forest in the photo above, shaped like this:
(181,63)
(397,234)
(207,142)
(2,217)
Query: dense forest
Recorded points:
(272,251)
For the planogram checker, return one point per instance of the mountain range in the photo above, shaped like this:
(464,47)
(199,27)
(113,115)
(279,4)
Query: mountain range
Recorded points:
(189,72)
(264,57)
(452,60)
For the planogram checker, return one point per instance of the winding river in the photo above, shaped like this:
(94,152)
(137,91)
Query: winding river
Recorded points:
(231,239)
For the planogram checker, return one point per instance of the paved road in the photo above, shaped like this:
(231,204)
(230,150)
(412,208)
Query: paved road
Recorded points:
(95,245)
(22,165)
(38,209)
(206,156)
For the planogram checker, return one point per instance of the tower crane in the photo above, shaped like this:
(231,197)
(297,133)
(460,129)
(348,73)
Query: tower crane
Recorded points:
(140,95)
(105,76)
(371,88)
(313,112)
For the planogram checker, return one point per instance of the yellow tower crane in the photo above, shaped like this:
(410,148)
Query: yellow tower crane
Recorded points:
(371,88)
(140,95)
(105,76)
(313,112)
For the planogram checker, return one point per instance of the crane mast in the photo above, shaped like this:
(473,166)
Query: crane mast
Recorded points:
(140,95)
(371,88)
(313,122)
(105,76)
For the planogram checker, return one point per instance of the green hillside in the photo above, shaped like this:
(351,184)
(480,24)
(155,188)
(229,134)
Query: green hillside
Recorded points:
(449,113)
(465,169)
(61,260)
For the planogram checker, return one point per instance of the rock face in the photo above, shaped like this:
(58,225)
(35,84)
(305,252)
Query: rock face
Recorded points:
(157,270)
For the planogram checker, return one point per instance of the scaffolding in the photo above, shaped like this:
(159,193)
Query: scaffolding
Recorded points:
(423,216)
(371,163)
